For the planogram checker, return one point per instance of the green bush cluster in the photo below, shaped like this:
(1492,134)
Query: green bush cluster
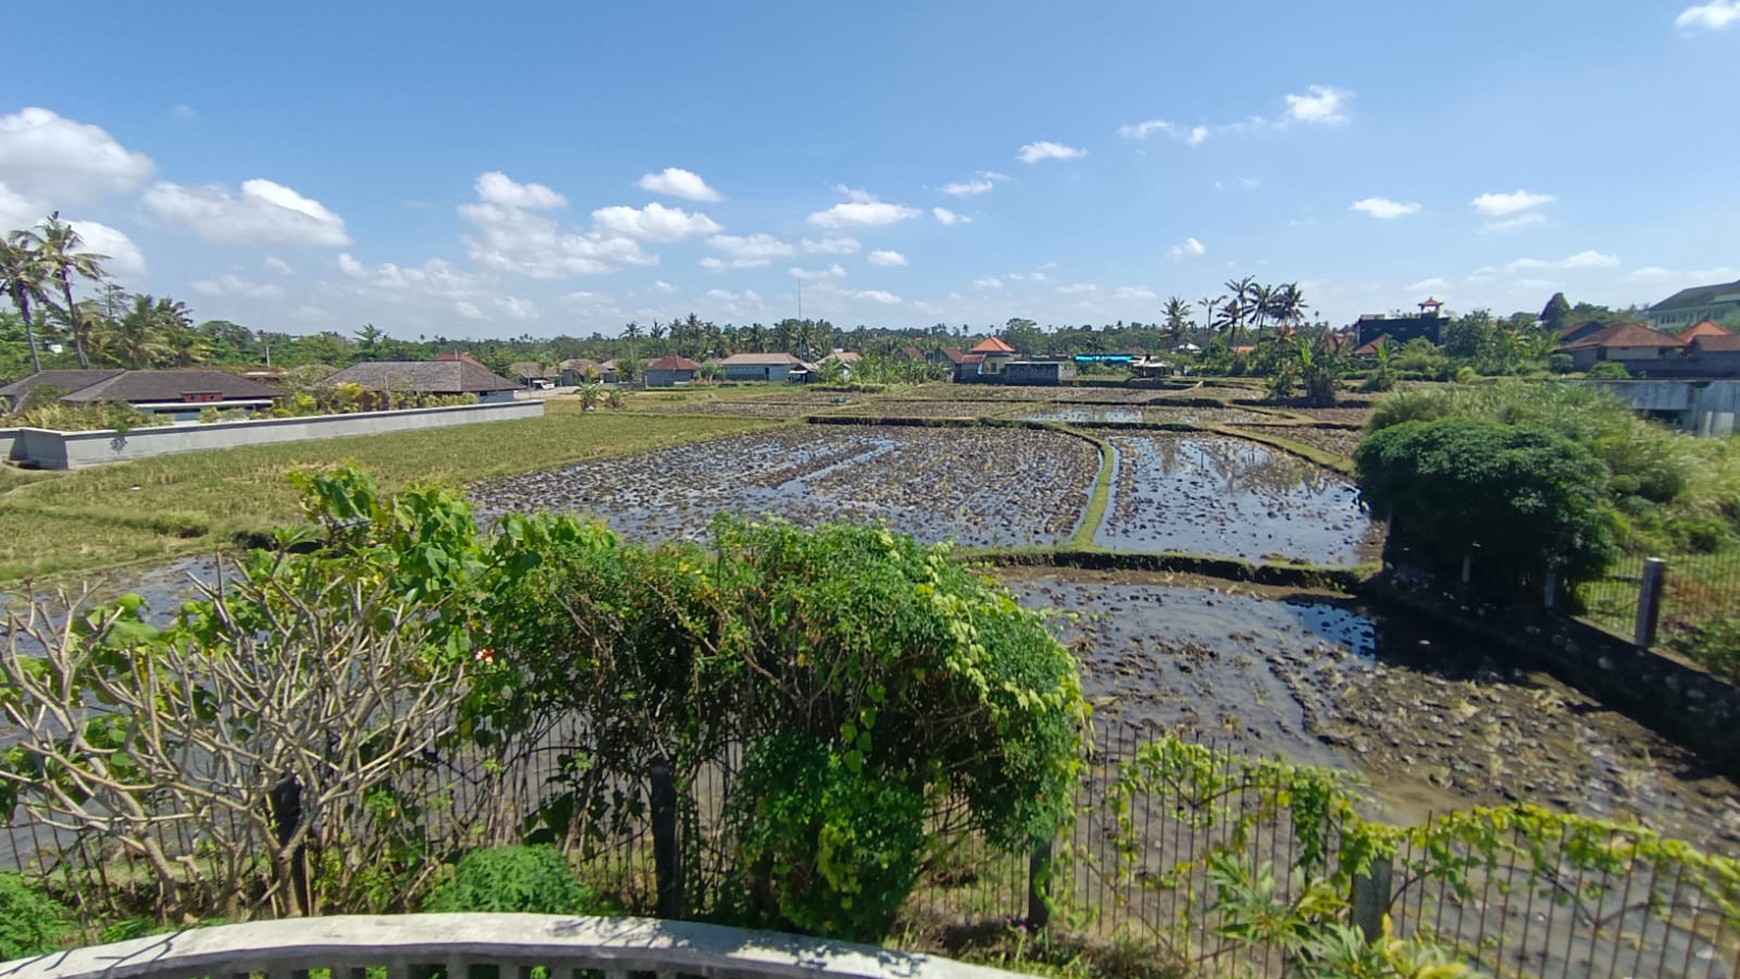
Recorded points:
(515,879)
(31,922)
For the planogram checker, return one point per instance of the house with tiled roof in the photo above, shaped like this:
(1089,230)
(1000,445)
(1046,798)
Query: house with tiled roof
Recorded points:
(1704,328)
(668,371)
(444,377)
(179,394)
(946,356)
(1636,346)
(760,367)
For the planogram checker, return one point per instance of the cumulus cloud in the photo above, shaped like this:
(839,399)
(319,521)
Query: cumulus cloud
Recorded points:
(654,222)
(275,264)
(831,273)
(677,182)
(1523,220)
(264,213)
(1669,280)
(1383,207)
(1188,135)
(1717,15)
(947,216)
(1320,104)
(1589,259)
(511,232)
(234,285)
(863,214)
(879,296)
(660,285)
(1047,150)
(1078,289)
(124,261)
(830,246)
(747,251)
(988,282)
(1434,284)
(1188,248)
(43,155)
(1500,205)
(1028,276)
(885,257)
(982,182)
(1135,293)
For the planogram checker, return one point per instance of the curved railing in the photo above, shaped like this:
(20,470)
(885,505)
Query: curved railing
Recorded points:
(504,945)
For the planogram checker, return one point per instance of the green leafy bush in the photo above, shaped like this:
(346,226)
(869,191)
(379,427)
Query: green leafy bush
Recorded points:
(1714,644)
(1529,499)
(30,922)
(1609,370)
(514,879)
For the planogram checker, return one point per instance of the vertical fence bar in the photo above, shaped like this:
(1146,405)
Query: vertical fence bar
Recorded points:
(1649,602)
(667,862)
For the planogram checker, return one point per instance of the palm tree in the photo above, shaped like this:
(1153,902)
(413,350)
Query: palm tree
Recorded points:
(1177,313)
(1210,307)
(24,277)
(369,336)
(631,333)
(656,333)
(1287,305)
(1242,296)
(137,338)
(56,246)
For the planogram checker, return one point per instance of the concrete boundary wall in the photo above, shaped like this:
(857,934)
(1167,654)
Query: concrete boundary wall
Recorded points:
(47,449)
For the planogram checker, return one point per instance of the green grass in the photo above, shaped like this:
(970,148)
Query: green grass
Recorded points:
(1102,493)
(173,505)
(1328,460)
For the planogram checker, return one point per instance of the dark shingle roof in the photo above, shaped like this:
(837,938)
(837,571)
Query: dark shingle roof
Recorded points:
(65,380)
(427,376)
(673,363)
(149,386)
(1696,296)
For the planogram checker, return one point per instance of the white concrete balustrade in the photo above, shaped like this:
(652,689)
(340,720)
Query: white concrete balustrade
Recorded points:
(504,945)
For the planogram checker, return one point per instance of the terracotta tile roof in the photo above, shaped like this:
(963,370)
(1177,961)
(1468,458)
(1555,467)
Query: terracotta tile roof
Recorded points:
(673,363)
(991,345)
(972,358)
(953,354)
(462,357)
(1370,349)
(451,376)
(845,356)
(1727,343)
(1625,335)
(1705,328)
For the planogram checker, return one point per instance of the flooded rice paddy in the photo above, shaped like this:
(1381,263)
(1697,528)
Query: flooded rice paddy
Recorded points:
(1209,494)
(1146,415)
(1428,721)
(978,487)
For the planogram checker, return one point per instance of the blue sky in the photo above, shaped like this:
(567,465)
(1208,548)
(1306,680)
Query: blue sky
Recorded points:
(492,170)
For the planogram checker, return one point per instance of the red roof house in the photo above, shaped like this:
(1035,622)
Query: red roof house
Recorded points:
(992,346)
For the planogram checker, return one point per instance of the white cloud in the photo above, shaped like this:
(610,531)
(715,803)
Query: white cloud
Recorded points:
(863,214)
(1500,205)
(747,251)
(468,310)
(1188,135)
(498,188)
(67,163)
(988,282)
(1582,260)
(887,258)
(1434,284)
(1717,15)
(1383,207)
(660,285)
(275,264)
(1189,247)
(1047,150)
(947,216)
(437,278)
(879,296)
(512,236)
(854,194)
(235,285)
(1320,104)
(1028,276)
(124,260)
(831,273)
(1078,289)
(1672,280)
(654,222)
(518,309)
(265,213)
(830,246)
(1523,220)
(677,182)
(1129,293)
(982,182)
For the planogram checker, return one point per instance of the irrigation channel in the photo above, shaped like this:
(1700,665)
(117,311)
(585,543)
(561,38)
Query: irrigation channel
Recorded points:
(1428,722)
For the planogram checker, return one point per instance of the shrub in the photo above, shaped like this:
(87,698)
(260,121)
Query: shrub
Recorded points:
(514,879)
(1715,644)
(1609,370)
(30,922)
(1529,499)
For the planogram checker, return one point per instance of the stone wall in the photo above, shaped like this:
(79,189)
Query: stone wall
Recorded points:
(73,450)
(1676,698)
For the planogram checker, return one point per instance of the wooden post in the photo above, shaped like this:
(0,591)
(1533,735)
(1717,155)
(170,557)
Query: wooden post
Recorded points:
(1649,602)
(1039,887)
(1371,897)
(1550,591)
(667,861)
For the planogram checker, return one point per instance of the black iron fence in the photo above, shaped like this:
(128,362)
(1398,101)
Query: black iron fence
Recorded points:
(1697,592)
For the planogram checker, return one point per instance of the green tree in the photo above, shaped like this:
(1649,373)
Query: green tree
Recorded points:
(1526,499)
(56,245)
(1554,316)
(24,276)
(1178,322)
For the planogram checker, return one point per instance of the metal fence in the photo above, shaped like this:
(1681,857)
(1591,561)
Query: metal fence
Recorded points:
(1132,869)
(1696,590)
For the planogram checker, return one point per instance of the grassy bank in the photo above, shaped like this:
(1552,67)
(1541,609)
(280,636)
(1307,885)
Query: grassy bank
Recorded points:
(55,523)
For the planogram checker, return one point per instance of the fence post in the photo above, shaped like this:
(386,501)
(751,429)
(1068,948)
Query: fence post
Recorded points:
(1371,897)
(667,862)
(1550,591)
(1649,602)
(1039,887)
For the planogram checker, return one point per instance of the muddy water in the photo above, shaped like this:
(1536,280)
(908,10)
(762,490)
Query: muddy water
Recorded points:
(1429,722)
(1230,497)
(979,488)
